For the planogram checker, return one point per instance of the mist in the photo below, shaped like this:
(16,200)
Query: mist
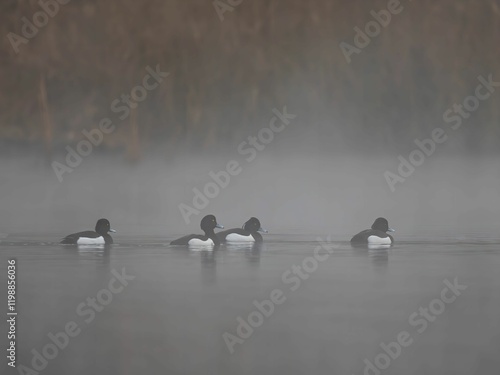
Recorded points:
(313,193)
(331,122)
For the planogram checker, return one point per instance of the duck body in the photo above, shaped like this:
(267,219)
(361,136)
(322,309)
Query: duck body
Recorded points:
(98,237)
(239,235)
(248,234)
(209,239)
(377,235)
(197,240)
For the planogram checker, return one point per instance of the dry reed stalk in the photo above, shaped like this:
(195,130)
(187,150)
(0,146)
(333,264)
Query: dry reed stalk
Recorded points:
(46,118)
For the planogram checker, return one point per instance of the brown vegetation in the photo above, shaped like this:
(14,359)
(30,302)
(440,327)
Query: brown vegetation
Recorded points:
(227,76)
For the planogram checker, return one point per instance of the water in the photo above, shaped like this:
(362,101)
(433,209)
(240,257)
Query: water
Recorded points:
(171,317)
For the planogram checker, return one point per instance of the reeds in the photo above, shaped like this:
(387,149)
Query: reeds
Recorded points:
(227,76)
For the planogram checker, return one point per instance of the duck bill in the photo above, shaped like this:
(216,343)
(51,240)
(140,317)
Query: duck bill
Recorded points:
(219,226)
(262,230)
(112,231)
(391,230)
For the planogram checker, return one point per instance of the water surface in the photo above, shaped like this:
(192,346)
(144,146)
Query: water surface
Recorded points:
(171,318)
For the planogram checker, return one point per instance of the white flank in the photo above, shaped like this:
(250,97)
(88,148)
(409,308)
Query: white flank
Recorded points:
(376,240)
(91,241)
(196,242)
(235,237)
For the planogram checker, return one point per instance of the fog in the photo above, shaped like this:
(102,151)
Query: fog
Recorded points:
(359,100)
(309,192)
(316,117)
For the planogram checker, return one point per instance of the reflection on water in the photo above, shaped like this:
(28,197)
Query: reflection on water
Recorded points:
(251,251)
(170,318)
(379,256)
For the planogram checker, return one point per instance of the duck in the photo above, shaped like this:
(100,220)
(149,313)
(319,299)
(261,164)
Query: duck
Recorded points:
(249,233)
(98,237)
(377,235)
(209,239)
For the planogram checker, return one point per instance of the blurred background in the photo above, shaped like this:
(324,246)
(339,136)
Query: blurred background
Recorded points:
(231,67)
(226,75)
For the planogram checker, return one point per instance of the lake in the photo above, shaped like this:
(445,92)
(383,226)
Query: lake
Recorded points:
(294,306)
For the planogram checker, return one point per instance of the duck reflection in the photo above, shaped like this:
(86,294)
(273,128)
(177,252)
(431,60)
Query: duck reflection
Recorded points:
(208,266)
(379,255)
(252,251)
